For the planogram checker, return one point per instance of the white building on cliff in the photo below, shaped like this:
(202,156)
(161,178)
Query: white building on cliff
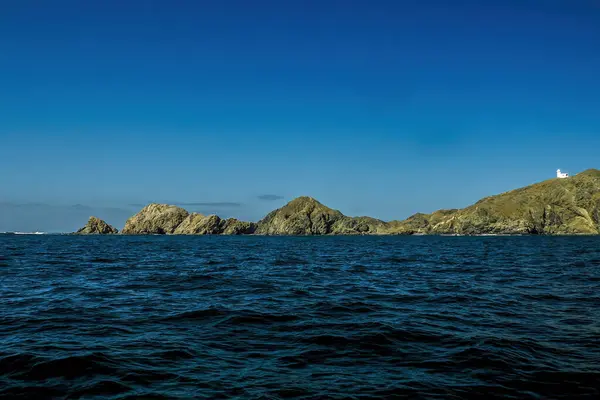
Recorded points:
(561,175)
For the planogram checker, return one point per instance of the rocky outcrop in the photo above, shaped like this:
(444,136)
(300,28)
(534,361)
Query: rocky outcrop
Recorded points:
(96,226)
(359,225)
(155,219)
(301,216)
(418,224)
(198,224)
(306,216)
(234,226)
(553,207)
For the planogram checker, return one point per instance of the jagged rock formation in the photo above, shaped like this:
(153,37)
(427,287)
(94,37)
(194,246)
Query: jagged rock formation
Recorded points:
(96,226)
(552,207)
(155,219)
(198,224)
(234,226)
(359,225)
(306,216)
(301,216)
(418,223)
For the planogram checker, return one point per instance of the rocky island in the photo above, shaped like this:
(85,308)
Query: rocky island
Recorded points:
(553,207)
(96,226)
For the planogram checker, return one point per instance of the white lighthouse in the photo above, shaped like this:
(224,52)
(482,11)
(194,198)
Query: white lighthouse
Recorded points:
(561,175)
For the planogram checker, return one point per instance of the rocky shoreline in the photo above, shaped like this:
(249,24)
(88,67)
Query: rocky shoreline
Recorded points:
(553,207)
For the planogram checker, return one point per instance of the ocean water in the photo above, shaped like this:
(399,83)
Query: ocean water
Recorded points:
(299,317)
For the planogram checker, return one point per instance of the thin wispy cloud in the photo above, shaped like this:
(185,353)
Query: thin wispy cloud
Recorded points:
(42,217)
(270,197)
(210,204)
(219,204)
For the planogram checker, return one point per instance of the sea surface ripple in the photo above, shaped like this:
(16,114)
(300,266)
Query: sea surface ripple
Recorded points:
(160,317)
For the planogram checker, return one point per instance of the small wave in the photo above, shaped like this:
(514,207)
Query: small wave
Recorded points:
(147,376)
(358,268)
(101,388)
(102,260)
(308,357)
(197,315)
(261,318)
(16,363)
(145,317)
(31,368)
(175,355)
(543,296)
(384,340)
(399,260)
(31,392)
(346,307)
(279,262)
(54,262)
(475,357)
(231,317)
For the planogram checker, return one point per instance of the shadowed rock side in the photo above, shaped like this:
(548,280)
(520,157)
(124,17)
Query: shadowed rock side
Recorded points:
(419,223)
(360,225)
(234,226)
(155,219)
(306,216)
(198,224)
(96,226)
(301,216)
(552,207)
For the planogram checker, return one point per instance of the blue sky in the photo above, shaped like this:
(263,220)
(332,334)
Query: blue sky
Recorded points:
(383,108)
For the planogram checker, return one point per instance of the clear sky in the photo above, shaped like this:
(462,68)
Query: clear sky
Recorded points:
(380,108)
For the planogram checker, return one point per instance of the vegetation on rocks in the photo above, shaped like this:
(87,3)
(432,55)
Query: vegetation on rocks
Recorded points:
(155,219)
(301,216)
(198,224)
(306,216)
(96,226)
(552,207)
(234,226)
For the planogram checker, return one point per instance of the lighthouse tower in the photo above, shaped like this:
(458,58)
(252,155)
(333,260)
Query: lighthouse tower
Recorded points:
(561,175)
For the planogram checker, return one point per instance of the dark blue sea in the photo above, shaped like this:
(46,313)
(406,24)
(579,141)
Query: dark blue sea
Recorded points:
(214,317)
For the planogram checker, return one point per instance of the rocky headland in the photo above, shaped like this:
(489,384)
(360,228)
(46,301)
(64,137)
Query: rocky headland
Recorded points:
(198,224)
(552,207)
(95,226)
(155,219)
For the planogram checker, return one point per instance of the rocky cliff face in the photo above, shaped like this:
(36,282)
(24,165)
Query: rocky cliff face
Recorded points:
(306,216)
(234,226)
(155,219)
(301,216)
(552,207)
(198,224)
(360,225)
(418,223)
(96,226)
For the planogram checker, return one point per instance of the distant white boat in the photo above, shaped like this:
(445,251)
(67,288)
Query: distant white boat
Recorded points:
(29,233)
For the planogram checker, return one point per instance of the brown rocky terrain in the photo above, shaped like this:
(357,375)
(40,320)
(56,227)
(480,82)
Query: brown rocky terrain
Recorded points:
(552,207)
